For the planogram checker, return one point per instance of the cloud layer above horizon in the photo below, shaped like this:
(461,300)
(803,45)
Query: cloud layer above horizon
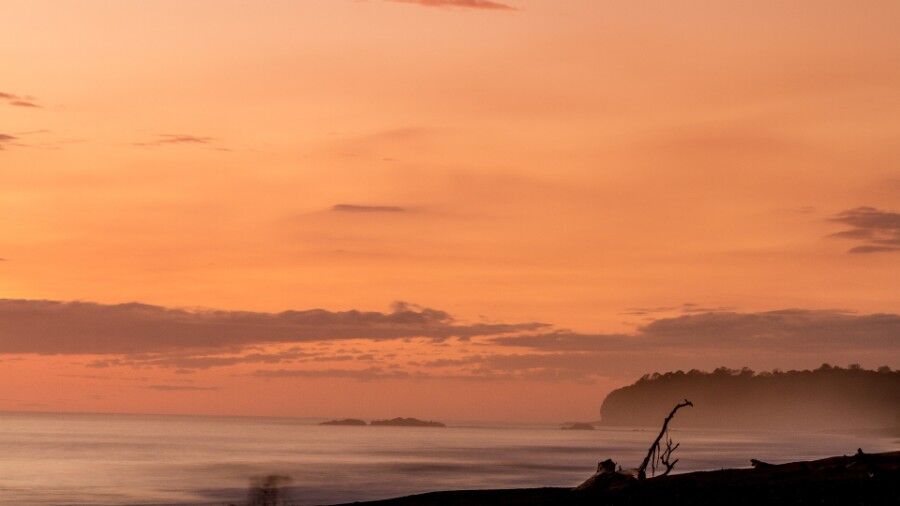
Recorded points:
(54,327)
(141,335)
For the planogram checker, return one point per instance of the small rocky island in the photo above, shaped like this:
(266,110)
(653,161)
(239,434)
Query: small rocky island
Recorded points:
(406,422)
(351,422)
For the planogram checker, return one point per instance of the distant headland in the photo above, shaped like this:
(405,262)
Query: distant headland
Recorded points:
(828,398)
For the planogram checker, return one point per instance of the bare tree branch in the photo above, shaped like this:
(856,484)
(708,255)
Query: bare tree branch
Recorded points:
(656,455)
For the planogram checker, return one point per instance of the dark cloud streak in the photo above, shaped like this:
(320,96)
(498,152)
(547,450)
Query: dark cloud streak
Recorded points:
(53,327)
(23,103)
(180,388)
(783,330)
(174,139)
(367,374)
(141,335)
(18,101)
(6,139)
(355,208)
(878,230)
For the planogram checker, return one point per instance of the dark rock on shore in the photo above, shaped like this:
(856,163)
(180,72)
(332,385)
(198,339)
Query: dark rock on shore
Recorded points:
(859,480)
(346,422)
(607,478)
(507,497)
(406,422)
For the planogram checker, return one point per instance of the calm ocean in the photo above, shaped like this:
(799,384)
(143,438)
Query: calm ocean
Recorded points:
(125,459)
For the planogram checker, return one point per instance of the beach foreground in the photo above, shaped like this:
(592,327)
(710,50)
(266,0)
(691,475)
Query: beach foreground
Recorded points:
(862,479)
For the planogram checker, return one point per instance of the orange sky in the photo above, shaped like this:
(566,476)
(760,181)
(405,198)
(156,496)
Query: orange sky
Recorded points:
(653,182)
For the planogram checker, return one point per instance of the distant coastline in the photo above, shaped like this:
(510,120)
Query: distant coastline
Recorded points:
(827,398)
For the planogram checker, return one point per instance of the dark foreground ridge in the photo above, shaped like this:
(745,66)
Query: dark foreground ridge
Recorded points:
(862,480)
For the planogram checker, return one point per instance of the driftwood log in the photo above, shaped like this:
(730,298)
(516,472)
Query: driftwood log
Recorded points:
(758,464)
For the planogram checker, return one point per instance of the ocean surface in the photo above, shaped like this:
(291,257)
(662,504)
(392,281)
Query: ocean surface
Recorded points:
(130,459)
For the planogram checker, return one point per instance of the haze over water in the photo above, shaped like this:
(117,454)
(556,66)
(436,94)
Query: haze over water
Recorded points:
(129,459)
(496,210)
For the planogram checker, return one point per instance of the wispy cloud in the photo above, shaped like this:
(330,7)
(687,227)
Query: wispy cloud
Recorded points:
(689,340)
(782,330)
(36,140)
(301,344)
(18,101)
(356,208)
(366,374)
(180,388)
(23,103)
(6,139)
(687,307)
(187,361)
(467,4)
(53,327)
(170,139)
(877,231)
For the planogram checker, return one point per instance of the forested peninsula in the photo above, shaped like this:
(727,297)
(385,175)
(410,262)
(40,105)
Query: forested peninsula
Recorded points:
(827,398)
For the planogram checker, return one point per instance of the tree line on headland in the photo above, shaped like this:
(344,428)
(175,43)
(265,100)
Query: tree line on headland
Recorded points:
(822,399)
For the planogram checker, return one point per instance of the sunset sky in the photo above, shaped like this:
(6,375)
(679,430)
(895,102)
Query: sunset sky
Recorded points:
(451,209)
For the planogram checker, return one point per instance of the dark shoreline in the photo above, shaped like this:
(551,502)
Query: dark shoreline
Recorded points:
(862,479)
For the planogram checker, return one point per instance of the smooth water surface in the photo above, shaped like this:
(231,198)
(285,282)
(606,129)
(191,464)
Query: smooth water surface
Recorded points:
(130,459)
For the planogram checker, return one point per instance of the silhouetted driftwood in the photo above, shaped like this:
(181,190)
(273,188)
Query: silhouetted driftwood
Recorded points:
(658,455)
(859,480)
(758,464)
(607,477)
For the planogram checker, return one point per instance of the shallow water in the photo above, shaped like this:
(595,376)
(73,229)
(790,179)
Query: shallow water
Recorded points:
(130,459)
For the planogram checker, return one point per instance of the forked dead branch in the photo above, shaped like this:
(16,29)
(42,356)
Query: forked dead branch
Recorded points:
(659,456)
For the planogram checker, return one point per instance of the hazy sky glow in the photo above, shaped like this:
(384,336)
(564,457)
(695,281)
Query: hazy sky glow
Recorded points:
(216,206)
